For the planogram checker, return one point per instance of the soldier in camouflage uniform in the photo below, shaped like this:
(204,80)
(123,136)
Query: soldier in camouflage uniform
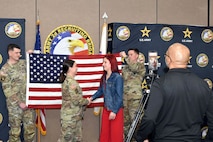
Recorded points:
(73,104)
(133,73)
(14,87)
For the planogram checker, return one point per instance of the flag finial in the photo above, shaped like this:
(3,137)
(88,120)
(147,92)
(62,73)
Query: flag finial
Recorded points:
(105,17)
(38,22)
(103,44)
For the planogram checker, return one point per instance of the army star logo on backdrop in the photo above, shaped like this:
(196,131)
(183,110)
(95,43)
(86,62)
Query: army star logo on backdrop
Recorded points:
(13,29)
(145,33)
(209,82)
(1,59)
(1,118)
(69,40)
(110,32)
(187,35)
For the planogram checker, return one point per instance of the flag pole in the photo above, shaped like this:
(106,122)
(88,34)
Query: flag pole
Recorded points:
(38,113)
(102,50)
(39,124)
(38,110)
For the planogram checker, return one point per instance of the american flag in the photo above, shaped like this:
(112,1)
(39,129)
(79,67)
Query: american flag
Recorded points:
(43,71)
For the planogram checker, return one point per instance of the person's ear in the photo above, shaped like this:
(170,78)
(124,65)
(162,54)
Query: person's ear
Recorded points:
(9,53)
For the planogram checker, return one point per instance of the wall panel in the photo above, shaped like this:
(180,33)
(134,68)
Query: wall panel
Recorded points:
(87,14)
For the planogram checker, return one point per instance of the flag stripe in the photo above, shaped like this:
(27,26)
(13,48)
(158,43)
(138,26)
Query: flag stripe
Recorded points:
(89,72)
(45,89)
(43,124)
(46,106)
(89,89)
(45,98)
(91,81)
(90,64)
(35,94)
(88,77)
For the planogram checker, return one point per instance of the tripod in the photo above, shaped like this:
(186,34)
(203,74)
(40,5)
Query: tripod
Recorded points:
(146,93)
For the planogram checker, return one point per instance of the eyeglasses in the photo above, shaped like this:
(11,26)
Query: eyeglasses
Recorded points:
(165,55)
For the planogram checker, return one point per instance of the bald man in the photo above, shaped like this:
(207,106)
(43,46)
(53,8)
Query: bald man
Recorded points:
(178,102)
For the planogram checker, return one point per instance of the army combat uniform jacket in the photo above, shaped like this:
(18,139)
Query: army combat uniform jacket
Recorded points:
(72,100)
(133,74)
(14,84)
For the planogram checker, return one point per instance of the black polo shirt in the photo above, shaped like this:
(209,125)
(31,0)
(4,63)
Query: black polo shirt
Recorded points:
(178,102)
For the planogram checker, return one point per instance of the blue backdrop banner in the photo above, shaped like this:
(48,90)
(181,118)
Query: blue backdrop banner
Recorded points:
(11,31)
(158,37)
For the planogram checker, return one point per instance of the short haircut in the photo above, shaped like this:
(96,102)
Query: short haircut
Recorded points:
(134,49)
(12,46)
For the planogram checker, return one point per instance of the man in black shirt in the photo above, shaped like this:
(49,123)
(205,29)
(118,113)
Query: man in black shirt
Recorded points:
(178,102)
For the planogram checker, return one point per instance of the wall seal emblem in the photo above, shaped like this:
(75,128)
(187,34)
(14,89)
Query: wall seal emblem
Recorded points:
(207,35)
(69,40)
(123,33)
(202,60)
(13,29)
(166,33)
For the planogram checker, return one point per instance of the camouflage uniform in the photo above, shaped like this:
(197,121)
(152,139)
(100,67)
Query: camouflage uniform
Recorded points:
(14,87)
(72,108)
(133,74)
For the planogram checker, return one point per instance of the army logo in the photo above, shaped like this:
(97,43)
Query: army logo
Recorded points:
(145,32)
(209,82)
(13,30)
(123,33)
(206,35)
(204,132)
(110,32)
(202,60)
(141,58)
(166,34)
(1,59)
(1,118)
(69,40)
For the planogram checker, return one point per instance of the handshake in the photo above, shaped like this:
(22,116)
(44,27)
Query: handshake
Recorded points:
(89,100)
